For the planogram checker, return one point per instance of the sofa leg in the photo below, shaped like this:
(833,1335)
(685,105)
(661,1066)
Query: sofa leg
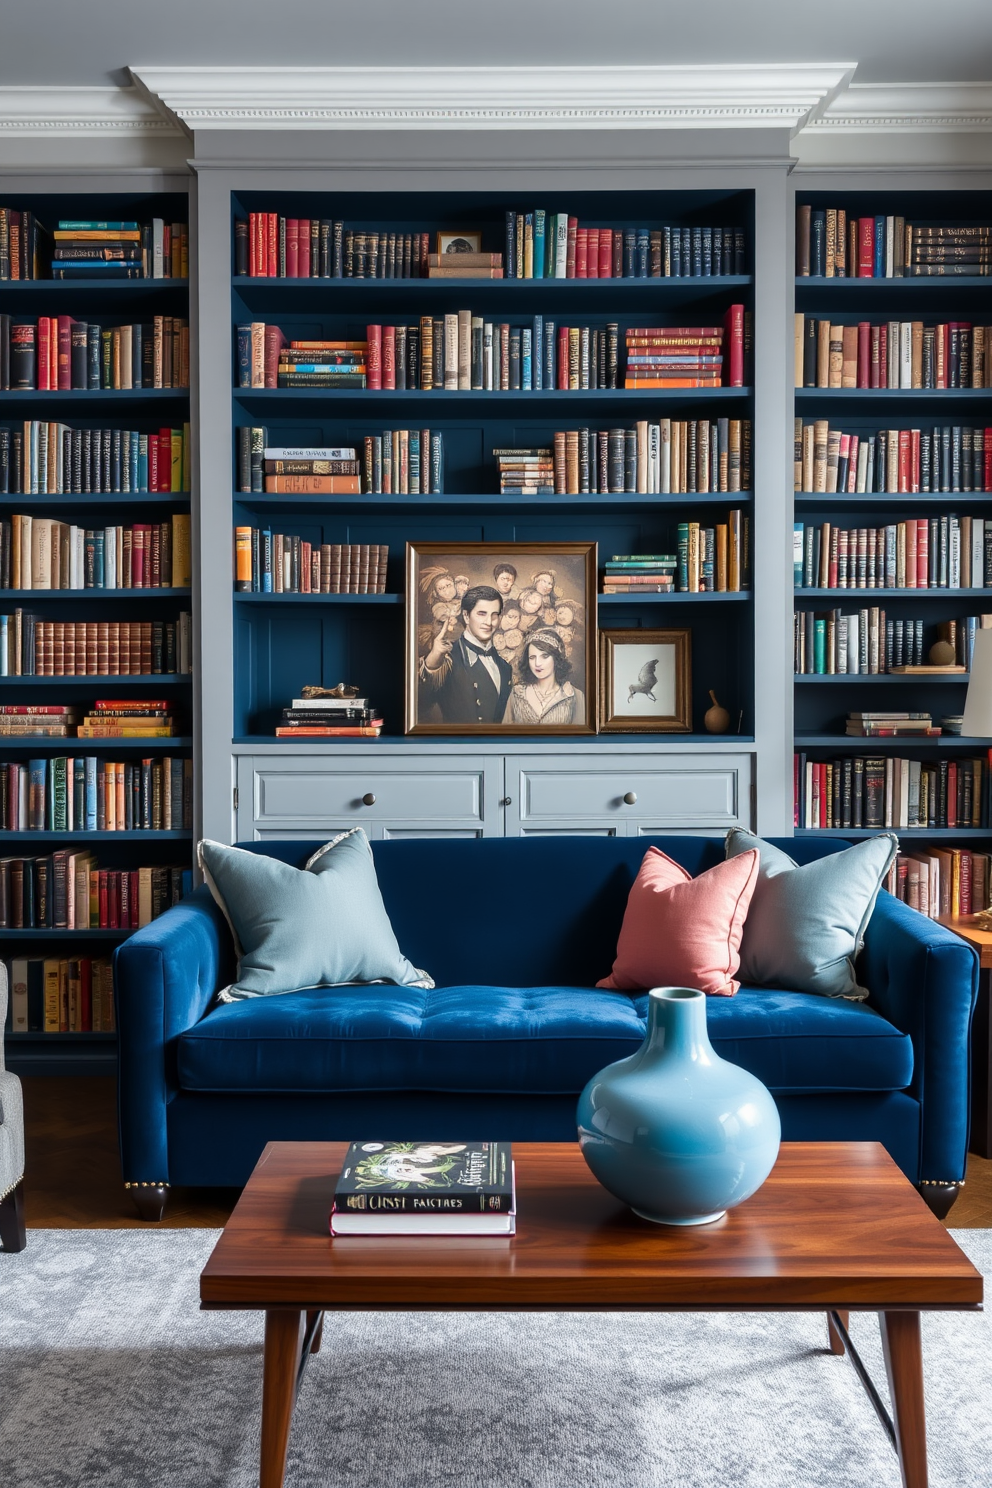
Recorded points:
(149,1199)
(13,1235)
(939,1196)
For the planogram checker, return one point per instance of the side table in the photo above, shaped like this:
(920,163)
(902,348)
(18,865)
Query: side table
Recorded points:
(981,1033)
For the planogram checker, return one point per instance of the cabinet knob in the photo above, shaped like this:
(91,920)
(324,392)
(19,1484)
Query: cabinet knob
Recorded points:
(630,799)
(368,799)
(506,801)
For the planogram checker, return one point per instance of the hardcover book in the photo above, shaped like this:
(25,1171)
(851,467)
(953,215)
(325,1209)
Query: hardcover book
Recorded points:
(444,1183)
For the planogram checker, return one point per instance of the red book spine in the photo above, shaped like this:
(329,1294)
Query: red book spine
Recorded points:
(734,345)
(943,357)
(262,245)
(292,248)
(605,253)
(563,359)
(153,484)
(65,353)
(272,243)
(43,355)
(134,877)
(573,228)
(125,910)
(922,553)
(876,346)
(821,771)
(903,462)
(303,251)
(103,900)
(165,459)
(592,253)
(252,250)
(866,247)
(373,357)
(388,356)
(864,353)
(274,341)
(581,252)
(914,462)
(617,254)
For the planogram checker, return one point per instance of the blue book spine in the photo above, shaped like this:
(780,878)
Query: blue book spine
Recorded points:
(142,462)
(687,253)
(878,266)
(437,464)
(697,252)
(37,794)
(510,257)
(413,459)
(550,380)
(135,458)
(244,356)
(643,253)
(537,353)
(675,249)
(99,559)
(79,794)
(540,248)
(267,561)
(78,225)
(526,363)
(90,763)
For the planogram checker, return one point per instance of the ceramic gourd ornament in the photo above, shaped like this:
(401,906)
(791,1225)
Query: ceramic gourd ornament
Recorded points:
(675,1131)
(716,719)
(942,653)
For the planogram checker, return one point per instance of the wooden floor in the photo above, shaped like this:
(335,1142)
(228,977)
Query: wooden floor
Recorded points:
(74,1178)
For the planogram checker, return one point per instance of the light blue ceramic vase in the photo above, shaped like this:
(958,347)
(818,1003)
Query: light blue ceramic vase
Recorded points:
(675,1131)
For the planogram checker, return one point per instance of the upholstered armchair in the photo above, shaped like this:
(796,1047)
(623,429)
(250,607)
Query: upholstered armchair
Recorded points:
(12,1233)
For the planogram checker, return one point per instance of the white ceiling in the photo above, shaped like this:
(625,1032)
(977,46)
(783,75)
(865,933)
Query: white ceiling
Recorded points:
(91,42)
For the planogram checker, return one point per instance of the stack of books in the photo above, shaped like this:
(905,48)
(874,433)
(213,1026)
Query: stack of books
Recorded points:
(526,472)
(39,720)
(426,1188)
(122,718)
(328,471)
(453,265)
(322,364)
(677,356)
(890,725)
(91,249)
(640,573)
(330,718)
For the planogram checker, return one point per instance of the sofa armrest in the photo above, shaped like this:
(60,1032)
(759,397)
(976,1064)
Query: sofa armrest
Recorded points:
(165,977)
(924,979)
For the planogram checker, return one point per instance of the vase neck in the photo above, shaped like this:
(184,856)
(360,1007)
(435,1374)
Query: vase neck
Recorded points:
(677,1026)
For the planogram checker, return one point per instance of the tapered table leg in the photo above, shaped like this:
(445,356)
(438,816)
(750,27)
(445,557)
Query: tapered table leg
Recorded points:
(833,1337)
(319,1331)
(282,1361)
(904,1367)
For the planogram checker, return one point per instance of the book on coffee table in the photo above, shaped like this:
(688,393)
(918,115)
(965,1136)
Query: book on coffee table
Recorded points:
(425,1188)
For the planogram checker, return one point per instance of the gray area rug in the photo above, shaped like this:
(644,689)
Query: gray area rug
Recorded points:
(110,1376)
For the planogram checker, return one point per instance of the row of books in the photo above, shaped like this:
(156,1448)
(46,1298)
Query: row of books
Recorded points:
(92,248)
(892,354)
(942,552)
(48,458)
(942,882)
(58,354)
(33,647)
(45,553)
(84,793)
(330,718)
(707,560)
(66,890)
(892,725)
(831,244)
(270,562)
(61,995)
(910,794)
(553,245)
(109,718)
(407,462)
(686,356)
(868,643)
(946,457)
(425,1188)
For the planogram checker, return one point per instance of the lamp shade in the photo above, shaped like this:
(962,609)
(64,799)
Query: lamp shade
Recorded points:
(978,704)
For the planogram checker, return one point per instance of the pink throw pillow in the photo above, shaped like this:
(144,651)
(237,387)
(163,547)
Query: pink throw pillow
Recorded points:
(680,931)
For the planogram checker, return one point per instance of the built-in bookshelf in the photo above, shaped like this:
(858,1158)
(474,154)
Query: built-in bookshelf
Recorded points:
(913,468)
(285,640)
(95,567)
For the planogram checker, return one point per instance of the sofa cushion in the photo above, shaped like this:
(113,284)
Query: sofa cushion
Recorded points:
(532,1040)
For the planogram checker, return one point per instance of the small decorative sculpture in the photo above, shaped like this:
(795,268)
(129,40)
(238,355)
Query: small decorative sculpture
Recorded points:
(343,690)
(647,680)
(942,653)
(716,719)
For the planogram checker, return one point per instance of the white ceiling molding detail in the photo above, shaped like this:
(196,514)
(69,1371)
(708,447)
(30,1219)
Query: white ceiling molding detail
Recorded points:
(30,111)
(897,107)
(495,98)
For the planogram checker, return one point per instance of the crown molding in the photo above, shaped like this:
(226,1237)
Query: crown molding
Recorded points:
(960,108)
(121,112)
(494,98)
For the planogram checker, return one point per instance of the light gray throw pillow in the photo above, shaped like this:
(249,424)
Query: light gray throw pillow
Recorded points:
(322,926)
(807,923)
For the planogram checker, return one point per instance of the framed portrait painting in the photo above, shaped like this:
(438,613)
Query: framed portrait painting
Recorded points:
(501,638)
(645,679)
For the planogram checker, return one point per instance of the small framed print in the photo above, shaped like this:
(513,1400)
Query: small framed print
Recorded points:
(459,242)
(645,681)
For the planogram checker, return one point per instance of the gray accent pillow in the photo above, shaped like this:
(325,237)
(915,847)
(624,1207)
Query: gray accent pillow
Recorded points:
(322,926)
(807,923)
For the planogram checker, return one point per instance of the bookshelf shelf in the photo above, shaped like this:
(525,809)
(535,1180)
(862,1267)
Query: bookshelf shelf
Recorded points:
(21,1039)
(842,741)
(136,834)
(933,834)
(134,679)
(32,398)
(245,597)
(70,500)
(87,594)
(24,288)
(268,400)
(914,594)
(866,500)
(43,932)
(885,400)
(72,745)
(494,501)
(883,678)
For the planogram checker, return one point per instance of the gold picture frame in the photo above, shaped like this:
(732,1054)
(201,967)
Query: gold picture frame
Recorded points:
(533,627)
(467,240)
(654,669)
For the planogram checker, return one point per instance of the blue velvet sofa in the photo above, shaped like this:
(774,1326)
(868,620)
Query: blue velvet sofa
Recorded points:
(515,933)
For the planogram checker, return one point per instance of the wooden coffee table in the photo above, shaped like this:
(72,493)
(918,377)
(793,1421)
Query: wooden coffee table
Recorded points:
(836,1228)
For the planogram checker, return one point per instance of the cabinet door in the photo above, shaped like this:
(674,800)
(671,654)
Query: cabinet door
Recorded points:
(626,795)
(307,796)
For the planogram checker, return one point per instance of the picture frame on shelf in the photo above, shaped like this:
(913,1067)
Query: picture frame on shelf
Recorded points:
(645,681)
(530,624)
(467,240)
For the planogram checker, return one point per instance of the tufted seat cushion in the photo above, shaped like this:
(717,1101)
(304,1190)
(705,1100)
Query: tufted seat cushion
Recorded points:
(529,1040)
